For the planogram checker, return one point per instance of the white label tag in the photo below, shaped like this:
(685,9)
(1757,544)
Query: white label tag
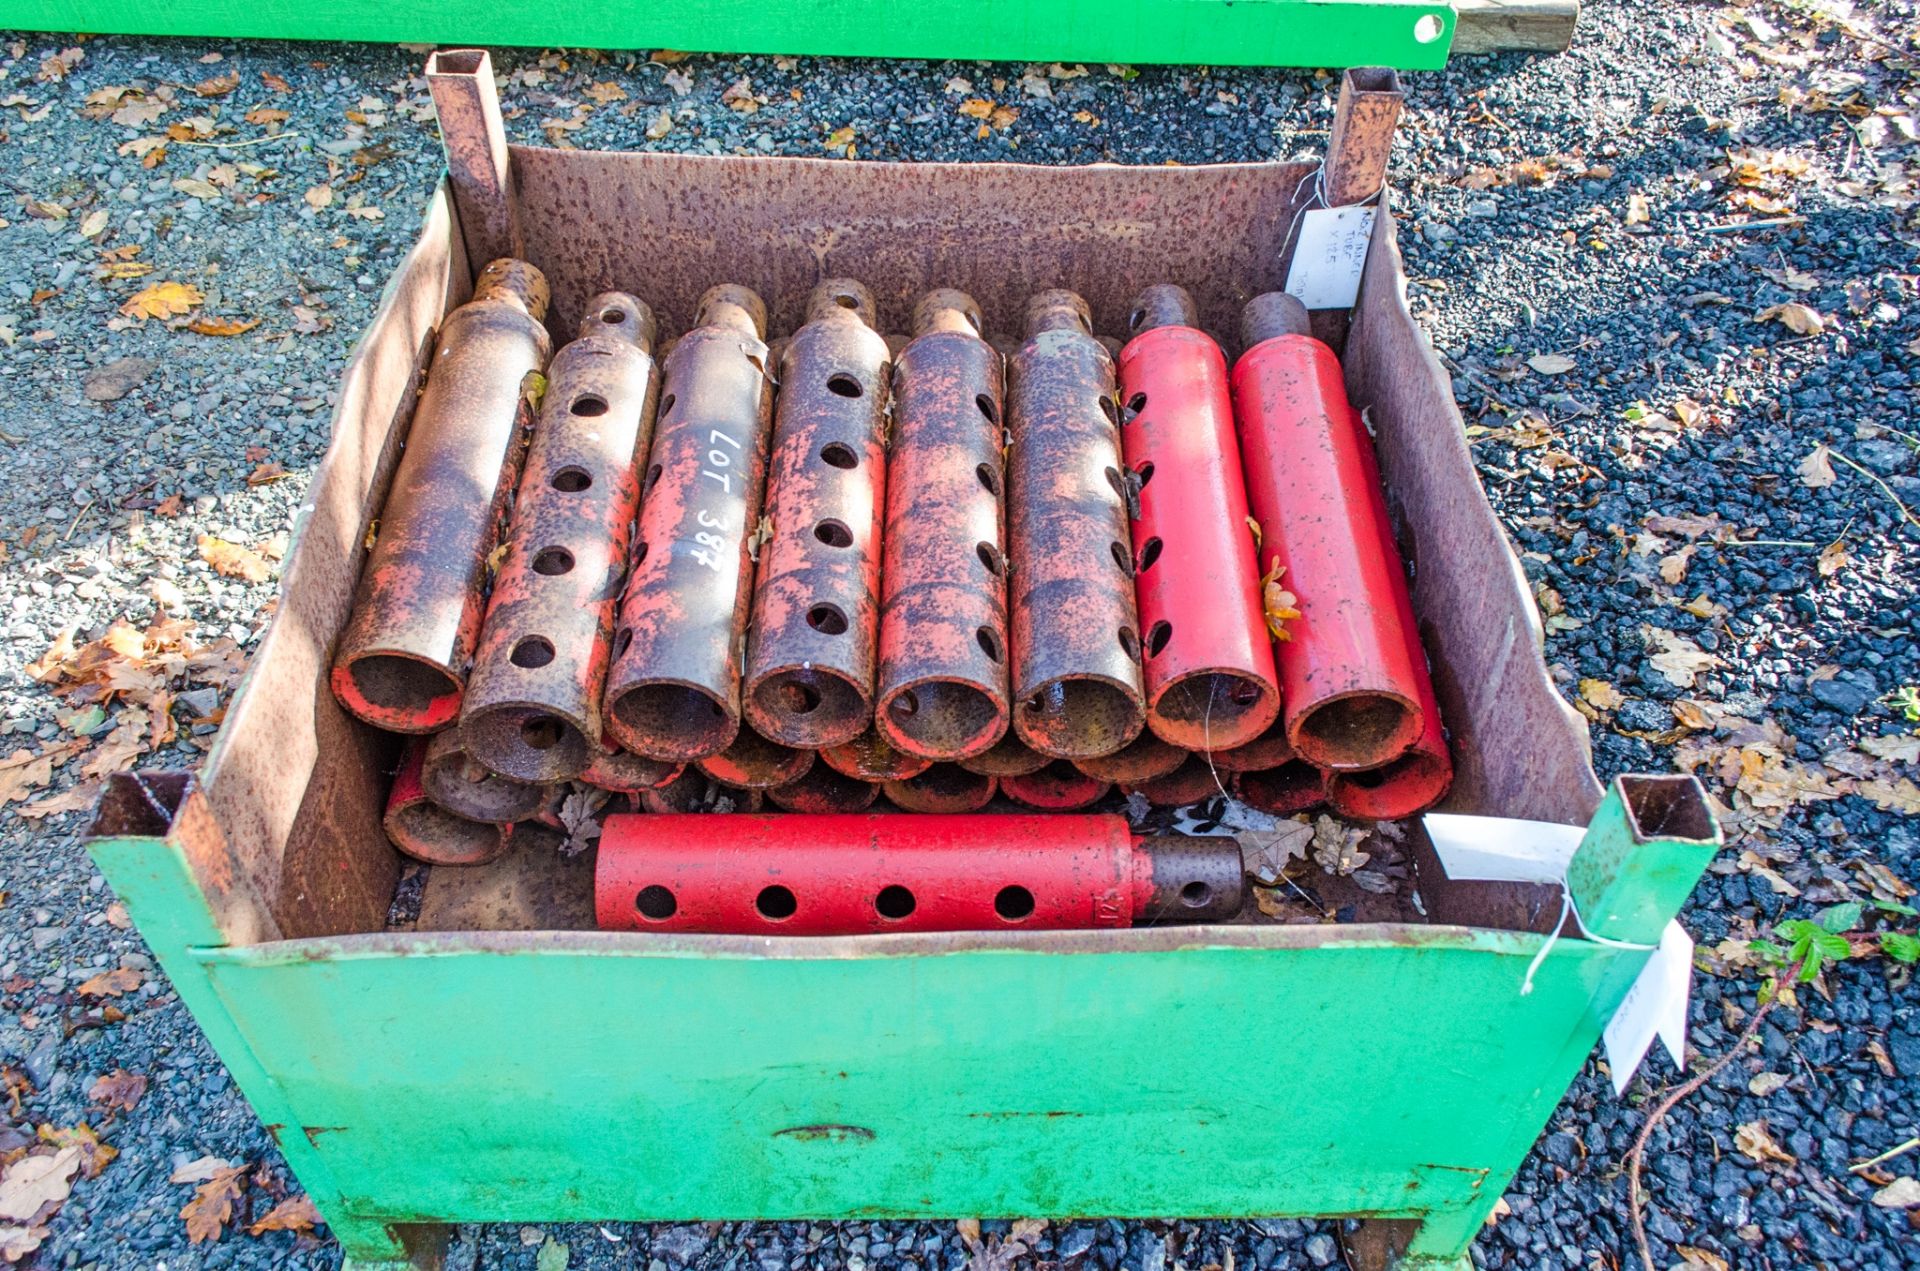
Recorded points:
(1502,849)
(1329,255)
(1656,1006)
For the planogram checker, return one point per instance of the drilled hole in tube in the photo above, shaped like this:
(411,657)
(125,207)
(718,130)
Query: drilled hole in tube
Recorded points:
(541,732)
(653,476)
(1135,318)
(589,405)
(906,706)
(1145,473)
(989,642)
(835,455)
(827,619)
(987,408)
(990,557)
(532,652)
(833,534)
(639,555)
(798,699)
(844,386)
(1195,894)
(1121,557)
(989,479)
(1130,642)
(775,903)
(571,480)
(656,903)
(1013,903)
(1149,553)
(1119,487)
(893,903)
(1157,636)
(1108,409)
(622,642)
(1137,403)
(612,317)
(553,561)
(667,405)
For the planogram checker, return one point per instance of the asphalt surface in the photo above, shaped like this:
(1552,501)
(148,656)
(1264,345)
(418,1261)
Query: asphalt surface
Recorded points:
(1713,494)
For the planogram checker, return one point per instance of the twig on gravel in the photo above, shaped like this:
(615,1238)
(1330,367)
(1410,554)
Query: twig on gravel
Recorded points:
(1761,542)
(1737,226)
(1876,479)
(1637,1153)
(1887,1155)
(234,145)
(78,517)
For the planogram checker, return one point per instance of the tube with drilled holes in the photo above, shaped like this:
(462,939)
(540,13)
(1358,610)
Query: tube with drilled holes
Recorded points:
(1058,787)
(944,787)
(464,786)
(428,832)
(821,790)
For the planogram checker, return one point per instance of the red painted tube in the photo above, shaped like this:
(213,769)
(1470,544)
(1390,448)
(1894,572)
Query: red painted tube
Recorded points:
(868,757)
(1294,786)
(810,646)
(1210,677)
(428,832)
(1191,782)
(402,660)
(843,875)
(942,686)
(1058,787)
(754,763)
(622,772)
(673,691)
(1144,759)
(1269,750)
(1352,695)
(1009,757)
(821,790)
(944,787)
(532,709)
(692,791)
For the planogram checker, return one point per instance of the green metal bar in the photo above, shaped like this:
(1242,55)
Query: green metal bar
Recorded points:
(1407,36)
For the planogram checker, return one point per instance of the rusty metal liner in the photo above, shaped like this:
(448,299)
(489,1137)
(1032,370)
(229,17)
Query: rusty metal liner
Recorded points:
(1209,659)
(1142,759)
(693,791)
(869,757)
(674,689)
(821,790)
(1269,750)
(1294,786)
(624,772)
(1191,782)
(754,763)
(1058,787)
(810,645)
(532,708)
(942,686)
(428,832)
(402,661)
(945,787)
(1076,642)
(464,786)
(1350,692)
(834,875)
(1009,757)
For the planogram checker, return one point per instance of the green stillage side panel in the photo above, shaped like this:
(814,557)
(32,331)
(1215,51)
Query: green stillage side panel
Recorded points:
(1409,36)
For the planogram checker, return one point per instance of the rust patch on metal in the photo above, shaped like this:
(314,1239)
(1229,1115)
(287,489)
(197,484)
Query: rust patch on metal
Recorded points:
(611,768)
(826,1133)
(754,763)
(869,757)
(1076,641)
(464,786)
(532,709)
(674,689)
(1010,757)
(402,662)
(1142,759)
(944,787)
(1058,787)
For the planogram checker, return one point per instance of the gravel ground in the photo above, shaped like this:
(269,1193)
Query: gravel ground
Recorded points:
(1701,437)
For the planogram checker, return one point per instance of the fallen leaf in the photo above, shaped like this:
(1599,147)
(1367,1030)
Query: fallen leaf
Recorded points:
(1694,1258)
(1891,796)
(1752,1141)
(319,196)
(1336,845)
(95,1156)
(170,507)
(118,1089)
(23,772)
(193,187)
(218,86)
(667,57)
(605,92)
(1816,470)
(16,1242)
(1901,1193)
(1901,748)
(162,300)
(1551,363)
(553,1256)
(96,222)
(1833,558)
(1765,1083)
(204,325)
(295,1213)
(36,1181)
(1678,658)
(274,82)
(114,983)
(233,561)
(200,1169)
(662,125)
(1601,695)
(267,474)
(266,115)
(206,1215)
(1637,210)
(1278,603)
(1795,317)
(77,799)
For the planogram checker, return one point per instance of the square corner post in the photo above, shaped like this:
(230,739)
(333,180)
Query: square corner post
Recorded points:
(155,837)
(479,166)
(1353,173)
(1646,846)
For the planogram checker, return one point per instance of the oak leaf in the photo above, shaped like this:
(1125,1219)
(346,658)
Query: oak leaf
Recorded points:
(207,1214)
(1752,1141)
(118,1089)
(1816,470)
(36,1181)
(295,1213)
(205,325)
(233,560)
(1796,317)
(162,300)
(114,983)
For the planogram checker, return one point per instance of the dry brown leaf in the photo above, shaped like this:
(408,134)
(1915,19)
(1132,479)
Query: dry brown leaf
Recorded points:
(218,86)
(118,1089)
(1833,558)
(1893,796)
(1601,695)
(662,125)
(207,1214)
(200,1169)
(76,799)
(170,507)
(233,560)
(266,115)
(1902,748)
(1816,470)
(126,743)
(1678,658)
(1765,1083)
(295,1213)
(1901,1193)
(162,300)
(667,57)
(1277,602)
(1796,317)
(1694,1258)
(1753,1142)
(274,82)
(605,92)
(36,1181)
(1551,363)
(204,325)
(23,772)
(319,196)
(115,983)
(95,1156)
(267,474)
(16,1241)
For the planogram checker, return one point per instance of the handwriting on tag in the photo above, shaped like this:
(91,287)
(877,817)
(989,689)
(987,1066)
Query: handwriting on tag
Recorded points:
(1329,256)
(1656,1006)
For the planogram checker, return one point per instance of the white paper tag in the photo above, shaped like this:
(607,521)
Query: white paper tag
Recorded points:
(1329,255)
(1502,849)
(1656,1006)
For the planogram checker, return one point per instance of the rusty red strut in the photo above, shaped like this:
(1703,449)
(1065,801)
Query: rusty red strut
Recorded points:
(402,662)
(942,688)
(1209,661)
(1076,643)
(810,646)
(1351,694)
(428,832)
(532,708)
(673,691)
(843,875)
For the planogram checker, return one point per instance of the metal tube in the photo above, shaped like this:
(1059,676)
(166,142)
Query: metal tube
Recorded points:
(942,686)
(674,689)
(428,832)
(479,165)
(532,709)
(623,772)
(1143,759)
(1058,787)
(754,763)
(1191,782)
(692,791)
(1076,642)
(1351,693)
(821,790)
(834,875)
(1209,660)
(944,787)
(1009,757)
(1269,750)
(810,649)
(1294,786)
(464,786)
(402,662)
(868,757)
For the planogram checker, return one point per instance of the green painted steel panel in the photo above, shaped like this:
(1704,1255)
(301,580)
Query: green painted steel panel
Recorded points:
(1337,33)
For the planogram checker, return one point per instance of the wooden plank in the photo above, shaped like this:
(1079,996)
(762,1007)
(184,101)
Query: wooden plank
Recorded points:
(1501,26)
